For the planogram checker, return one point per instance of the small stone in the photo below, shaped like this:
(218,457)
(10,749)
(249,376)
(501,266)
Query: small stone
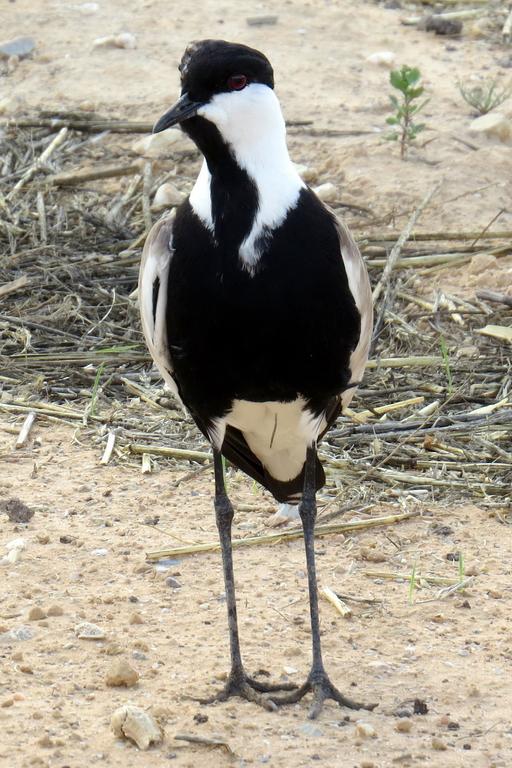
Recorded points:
(36,613)
(121,673)
(368,764)
(438,744)
(290,670)
(326,192)
(365,730)
(88,8)
(441,26)
(17,634)
(494,594)
(166,196)
(7,703)
(472,570)
(18,46)
(308,729)
(469,351)
(123,40)
(45,741)
(87,631)
(136,618)
(17,511)
(420,707)
(159,144)
(26,669)
(131,722)
(55,610)
(99,552)
(43,538)
(403,726)
(494,125)
(267,20)
(403,712)
(372,555)
(382,59)
(172,582)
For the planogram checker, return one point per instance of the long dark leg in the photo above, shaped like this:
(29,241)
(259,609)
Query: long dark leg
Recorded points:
(238,684)
(318,682)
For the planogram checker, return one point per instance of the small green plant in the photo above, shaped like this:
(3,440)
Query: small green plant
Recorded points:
(486,96)
(95,390)
(446,360)
(406,81)
(412,584)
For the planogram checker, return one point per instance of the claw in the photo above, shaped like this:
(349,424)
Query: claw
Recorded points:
(249,689)
(322,689)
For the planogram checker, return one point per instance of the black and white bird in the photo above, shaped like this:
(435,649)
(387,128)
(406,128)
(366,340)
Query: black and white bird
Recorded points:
(257,310)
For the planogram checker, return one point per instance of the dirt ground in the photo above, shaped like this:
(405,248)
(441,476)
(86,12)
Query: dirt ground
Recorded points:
(454,654)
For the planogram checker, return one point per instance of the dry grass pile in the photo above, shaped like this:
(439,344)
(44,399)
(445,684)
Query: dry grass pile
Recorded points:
(432,420)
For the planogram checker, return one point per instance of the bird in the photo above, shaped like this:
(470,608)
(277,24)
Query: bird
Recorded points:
(257,310)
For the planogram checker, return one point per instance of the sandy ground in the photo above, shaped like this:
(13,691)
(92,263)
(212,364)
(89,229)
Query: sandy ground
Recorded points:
(454,654)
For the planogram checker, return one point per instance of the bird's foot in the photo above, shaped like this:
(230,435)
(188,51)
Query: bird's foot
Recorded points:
(322,688)
(240,684)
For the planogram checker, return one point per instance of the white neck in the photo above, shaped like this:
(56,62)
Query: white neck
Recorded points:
(251,123)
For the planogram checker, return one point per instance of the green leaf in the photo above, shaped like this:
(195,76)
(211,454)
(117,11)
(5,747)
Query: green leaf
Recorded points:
(411,75)
(391,120)
(397,80)
(413,93)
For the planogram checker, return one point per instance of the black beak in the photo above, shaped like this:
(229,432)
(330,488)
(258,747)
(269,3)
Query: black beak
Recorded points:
(182,110)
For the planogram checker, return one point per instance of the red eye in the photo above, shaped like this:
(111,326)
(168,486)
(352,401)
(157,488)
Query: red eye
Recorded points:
(237,82)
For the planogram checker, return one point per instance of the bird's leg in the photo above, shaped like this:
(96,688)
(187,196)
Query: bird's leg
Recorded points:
(318,682)
(238,683)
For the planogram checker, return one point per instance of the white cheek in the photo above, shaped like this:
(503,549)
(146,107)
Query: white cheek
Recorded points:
(214,112)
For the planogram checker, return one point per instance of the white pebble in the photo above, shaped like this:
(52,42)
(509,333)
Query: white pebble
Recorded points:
(494,125)
(87,631)
(365,730)
(131,722)
(123,40)
(326,192)
(382,58)
(166,196)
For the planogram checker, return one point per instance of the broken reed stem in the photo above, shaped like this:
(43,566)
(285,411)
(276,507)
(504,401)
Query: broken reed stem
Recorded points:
(69,178)
(171,453)
(383,283)
(390,237)
(25,430)
(39,163)
(278,538)
(107,453)
(14,285)
(336,601)
(492,296)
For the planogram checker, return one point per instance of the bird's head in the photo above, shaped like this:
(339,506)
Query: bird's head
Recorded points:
(229,85)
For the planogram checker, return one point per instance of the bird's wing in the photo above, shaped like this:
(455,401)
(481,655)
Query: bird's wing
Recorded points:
(153,279)
(359,284)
